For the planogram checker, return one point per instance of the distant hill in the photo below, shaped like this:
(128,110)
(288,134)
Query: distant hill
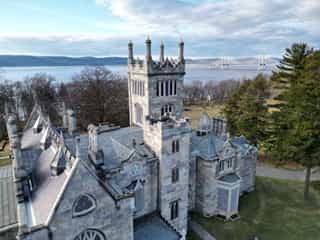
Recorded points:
(235,61)
(34,61)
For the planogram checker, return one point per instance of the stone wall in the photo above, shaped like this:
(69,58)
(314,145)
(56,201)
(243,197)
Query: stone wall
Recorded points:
(113,219)
(206,187)
(160,137)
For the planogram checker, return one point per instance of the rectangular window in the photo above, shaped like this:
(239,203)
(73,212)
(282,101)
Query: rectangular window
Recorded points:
(229,163)
(171,88)
(175,175)
(175,146)
(167,88)
(157,89)
(142,88)
(221,166)
(162,88)
(175,88)
(174,209)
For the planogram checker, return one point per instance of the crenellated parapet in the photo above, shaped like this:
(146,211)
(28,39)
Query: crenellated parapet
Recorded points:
(153,67)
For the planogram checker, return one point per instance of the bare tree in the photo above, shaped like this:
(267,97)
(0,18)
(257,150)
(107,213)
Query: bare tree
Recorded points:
(100,96)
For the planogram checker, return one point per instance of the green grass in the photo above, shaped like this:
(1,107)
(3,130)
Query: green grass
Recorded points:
(276,210)
(5,156)
(192,236)
(194,112)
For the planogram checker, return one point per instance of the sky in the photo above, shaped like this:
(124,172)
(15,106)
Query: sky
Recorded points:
(209,28)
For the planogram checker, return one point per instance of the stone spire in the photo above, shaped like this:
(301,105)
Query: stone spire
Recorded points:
(148,50)
(130,52)
(161,58)
(180,51)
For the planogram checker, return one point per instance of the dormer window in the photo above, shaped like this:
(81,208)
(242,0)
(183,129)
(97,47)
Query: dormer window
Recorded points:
(83,205)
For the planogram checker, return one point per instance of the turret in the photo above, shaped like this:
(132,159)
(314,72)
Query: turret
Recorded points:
(161,58)
(148,57)
(180,51)
(130,52)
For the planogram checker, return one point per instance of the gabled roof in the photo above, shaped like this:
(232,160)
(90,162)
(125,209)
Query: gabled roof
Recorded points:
(8,211)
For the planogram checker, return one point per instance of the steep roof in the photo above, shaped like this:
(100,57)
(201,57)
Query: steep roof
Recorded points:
(8,211)
(208,146)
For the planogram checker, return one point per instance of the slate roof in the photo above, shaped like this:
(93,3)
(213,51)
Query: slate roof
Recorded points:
(8,211)
(239,141)
(155,228)
(230,178)
(118,145)
(208,146)
(48,187)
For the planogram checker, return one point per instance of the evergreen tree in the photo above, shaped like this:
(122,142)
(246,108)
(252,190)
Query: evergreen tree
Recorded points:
(247,111)
(285,77)
(304,134)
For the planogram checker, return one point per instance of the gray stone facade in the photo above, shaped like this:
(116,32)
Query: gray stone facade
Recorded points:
(122,183)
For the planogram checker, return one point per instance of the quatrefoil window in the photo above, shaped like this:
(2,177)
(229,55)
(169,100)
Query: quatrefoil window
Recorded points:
(83,205)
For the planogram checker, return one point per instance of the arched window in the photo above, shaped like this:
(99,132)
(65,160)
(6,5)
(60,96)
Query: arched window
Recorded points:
(83,205)
(90,234)
(138,113)
(167,109)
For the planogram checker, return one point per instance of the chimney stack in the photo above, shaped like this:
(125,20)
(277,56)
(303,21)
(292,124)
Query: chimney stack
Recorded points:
(161,59)
(148,50)
(130,52)
(180,51)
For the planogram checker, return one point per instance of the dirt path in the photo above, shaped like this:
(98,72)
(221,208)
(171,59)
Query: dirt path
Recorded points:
(269,171)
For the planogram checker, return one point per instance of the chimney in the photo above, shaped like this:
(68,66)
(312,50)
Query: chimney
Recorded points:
(161,59)
(130,52)
(180,51)
(72,121)
(148,50)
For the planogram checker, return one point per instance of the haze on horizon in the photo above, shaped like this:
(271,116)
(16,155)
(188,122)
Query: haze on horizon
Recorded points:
(210,28)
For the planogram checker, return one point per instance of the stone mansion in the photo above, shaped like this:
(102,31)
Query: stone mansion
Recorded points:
(133,183)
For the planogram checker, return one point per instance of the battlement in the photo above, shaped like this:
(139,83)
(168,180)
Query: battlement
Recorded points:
(170,126)
(152,67)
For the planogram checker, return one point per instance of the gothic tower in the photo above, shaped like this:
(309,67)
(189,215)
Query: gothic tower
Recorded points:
(155,87)
(155,100)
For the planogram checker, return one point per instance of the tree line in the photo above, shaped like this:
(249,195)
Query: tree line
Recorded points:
(281,114)
(211,92)
(95,94)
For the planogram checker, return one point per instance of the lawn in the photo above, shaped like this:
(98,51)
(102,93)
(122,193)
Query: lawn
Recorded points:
(192,236)
(194,112)
(5,156)
(276,210)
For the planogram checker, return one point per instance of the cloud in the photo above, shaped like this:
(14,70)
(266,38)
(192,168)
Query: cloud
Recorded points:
(228,19)
(209,28)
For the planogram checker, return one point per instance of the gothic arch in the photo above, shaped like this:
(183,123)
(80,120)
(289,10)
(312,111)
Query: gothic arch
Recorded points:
(90,234)
(138,110)
(83,205)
